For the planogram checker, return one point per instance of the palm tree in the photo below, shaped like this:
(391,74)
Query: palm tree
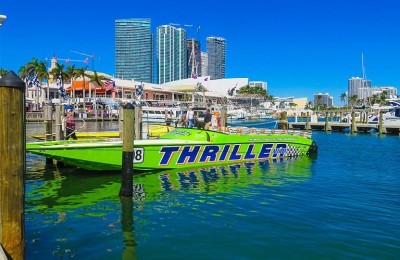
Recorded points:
(3,72)
(23,73)
(97,81)
(383,97)
(81,72)
(42,74)
(343,97)
(59,73)
(71,73)
(353,100)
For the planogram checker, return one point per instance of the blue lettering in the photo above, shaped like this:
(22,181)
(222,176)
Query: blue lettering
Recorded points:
(249,155)
(189,155)
(265,151)
(167,151)
(224,152)
(210,151)
(279,150)
(234,156)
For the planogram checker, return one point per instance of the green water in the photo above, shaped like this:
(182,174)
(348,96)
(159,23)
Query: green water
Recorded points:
(342,204)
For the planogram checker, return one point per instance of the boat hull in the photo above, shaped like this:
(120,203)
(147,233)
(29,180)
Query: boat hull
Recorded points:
(180,148)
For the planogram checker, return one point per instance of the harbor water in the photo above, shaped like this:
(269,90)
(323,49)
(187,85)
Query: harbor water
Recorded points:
(343,203)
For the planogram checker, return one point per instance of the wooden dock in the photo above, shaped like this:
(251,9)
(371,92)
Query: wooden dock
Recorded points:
(342,127)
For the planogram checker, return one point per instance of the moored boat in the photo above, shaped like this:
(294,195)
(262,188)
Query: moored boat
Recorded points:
(181,148)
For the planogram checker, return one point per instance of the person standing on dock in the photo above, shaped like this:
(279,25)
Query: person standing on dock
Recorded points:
(70,126)
(190,117)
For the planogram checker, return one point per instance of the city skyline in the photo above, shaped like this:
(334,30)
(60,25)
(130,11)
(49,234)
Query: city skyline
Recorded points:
(298,47)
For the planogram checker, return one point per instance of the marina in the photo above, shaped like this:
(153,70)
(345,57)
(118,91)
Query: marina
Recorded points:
(331,205)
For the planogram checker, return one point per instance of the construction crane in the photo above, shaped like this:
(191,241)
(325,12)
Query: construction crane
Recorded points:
(194,73)
(91,56)
(67,60)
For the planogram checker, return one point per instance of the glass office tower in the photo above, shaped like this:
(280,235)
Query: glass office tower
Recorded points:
(134,49)
(216,57)
(171,54)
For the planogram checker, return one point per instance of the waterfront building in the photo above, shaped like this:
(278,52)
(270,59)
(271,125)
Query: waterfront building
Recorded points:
(359,87)
(134,52)
(391,92)
(171,54)
(323,99)
(194,58)
(204,64)
(216,50)
(261,84)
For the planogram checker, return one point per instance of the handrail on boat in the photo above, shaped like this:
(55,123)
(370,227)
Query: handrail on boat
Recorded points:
(246,130)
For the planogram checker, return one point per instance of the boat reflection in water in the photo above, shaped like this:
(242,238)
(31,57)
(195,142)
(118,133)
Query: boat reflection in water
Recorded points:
(71,188)
(66,208)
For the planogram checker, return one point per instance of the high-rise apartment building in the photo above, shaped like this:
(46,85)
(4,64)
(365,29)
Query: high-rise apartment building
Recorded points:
(194,58)
(323,99)
(134,49)
(204,64)
(171,54)
(216,50)
(359,87)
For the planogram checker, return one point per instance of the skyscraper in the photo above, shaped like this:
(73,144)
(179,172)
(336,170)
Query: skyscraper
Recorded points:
(134,49)
(216,57)
(194,57)
(204,64)
(171,54)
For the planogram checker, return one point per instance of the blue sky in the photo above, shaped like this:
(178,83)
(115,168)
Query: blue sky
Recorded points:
(300,47)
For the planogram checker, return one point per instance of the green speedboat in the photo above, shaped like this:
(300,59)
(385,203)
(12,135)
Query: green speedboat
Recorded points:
(181,148)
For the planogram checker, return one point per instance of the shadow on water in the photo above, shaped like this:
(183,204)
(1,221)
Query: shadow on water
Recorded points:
(60,195)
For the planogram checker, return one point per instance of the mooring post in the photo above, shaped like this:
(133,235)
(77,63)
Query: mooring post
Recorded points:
(308,121)
(282,123)
(120,121)
(48,125)
(380,126)
(327,126)
(138,122)
(127,151)
(224,117)
(353,122)
(13,165)
(59,123)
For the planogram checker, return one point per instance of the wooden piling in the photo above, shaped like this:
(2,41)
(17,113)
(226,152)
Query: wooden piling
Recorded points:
(353,122)
(308,127)
(48,126)
(138,122)
(13,165)
(224,117)
(127,151)
(121,121)
(59,123)
(327,126)
(380,126)
(283,123)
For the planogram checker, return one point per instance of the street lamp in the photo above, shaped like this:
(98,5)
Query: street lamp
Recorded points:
(2,19)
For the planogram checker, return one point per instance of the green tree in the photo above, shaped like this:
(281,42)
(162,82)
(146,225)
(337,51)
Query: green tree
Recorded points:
(97,81)
(71,74)
(3,72)
(343,97)
(81,72)
(353,100)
